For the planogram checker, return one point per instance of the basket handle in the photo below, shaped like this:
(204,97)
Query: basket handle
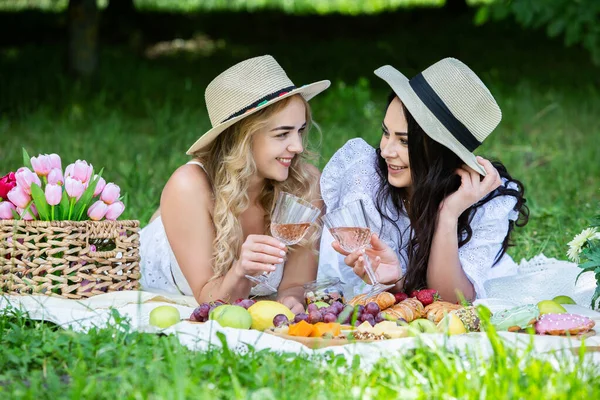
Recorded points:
(112,237)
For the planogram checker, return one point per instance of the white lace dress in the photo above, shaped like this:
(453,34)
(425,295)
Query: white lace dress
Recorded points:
(351,175)
(159,267)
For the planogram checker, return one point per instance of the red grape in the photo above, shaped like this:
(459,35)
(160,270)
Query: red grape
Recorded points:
(379,317)
(247,303)
(300,317)
(314,317)
(312,307)
(338,307)
(201,312)
(372,308)
(329,317)
(280,320)
(369,318)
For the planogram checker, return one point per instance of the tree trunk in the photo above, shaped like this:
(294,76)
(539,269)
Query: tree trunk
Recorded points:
(83,36)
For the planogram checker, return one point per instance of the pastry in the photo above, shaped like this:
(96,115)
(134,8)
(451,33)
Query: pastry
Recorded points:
(469,318)
(438,309)
(409,310)
(383,300)
(515,319)
(563,324)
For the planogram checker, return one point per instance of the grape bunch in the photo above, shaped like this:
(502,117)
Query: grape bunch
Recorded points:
(337,312)
(201,313)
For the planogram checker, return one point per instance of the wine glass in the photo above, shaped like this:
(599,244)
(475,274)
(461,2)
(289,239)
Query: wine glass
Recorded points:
(349,226)
(289,223)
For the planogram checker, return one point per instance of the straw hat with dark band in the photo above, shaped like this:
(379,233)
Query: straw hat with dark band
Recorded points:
(246,88)
(450,103)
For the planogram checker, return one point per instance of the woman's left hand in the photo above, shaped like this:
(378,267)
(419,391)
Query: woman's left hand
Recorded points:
(293,304)
(472,188)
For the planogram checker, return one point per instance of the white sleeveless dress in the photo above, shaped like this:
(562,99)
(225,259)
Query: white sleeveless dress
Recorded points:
(159,267)
(351,174)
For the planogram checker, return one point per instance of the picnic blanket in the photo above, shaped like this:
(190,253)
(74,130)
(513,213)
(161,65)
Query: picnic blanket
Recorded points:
(99,311)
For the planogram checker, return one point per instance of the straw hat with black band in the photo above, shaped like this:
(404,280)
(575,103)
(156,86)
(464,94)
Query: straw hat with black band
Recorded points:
(450,103)
(246,88)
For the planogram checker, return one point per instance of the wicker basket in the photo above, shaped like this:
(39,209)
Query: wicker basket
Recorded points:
(72,259)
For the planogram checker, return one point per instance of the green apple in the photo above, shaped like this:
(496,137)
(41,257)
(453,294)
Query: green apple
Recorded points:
(321,304)
(232,317)
(563,300)
(164,316)
(423,325)
(550,307)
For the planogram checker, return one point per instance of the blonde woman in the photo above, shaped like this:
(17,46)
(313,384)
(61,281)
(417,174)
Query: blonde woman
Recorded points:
(215,210)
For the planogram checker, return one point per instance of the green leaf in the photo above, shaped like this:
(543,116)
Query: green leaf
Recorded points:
(27,159)
(63,207)
(82,205)
(39,199)
(482,16)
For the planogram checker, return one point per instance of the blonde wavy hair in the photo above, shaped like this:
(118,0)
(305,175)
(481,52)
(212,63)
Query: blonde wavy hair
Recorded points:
(229,164)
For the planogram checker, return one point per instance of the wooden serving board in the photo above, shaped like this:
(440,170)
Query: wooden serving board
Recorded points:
(317,343)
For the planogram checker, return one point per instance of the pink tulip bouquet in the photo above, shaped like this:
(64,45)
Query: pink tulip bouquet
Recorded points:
(42,191)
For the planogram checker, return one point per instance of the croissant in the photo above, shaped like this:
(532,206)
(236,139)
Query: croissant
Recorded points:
(409,310)
(438,309)
(383,300)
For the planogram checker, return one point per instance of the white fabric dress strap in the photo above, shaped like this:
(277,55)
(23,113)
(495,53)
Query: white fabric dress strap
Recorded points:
(198,163)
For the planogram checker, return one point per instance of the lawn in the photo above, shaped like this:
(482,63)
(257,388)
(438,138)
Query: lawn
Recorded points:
(137,117)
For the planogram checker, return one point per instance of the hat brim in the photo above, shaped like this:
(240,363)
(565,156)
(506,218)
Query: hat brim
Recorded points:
(307,91)
(424,117)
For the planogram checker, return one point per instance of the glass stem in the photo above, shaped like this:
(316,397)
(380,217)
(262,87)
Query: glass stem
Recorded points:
(369,269)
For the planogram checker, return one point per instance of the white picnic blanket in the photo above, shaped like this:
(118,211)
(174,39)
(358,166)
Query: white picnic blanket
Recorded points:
(98,311)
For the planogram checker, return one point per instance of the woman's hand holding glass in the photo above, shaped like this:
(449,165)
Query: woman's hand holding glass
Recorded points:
(260,254)
(384,261)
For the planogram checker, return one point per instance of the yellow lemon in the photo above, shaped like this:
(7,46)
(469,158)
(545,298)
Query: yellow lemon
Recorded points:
(264,311)
(452,325)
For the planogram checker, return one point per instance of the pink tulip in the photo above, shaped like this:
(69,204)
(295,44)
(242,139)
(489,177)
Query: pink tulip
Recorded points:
(97,210)
(56,177)
(80,170)
(6,210)
(74,187)
(111,193)
(115,210)
(19,197)
(25,178)
(55,162)
(41,164)
(53,194)
(99,185)
(29,215)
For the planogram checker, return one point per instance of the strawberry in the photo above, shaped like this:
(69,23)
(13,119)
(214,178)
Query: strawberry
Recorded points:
(414,293)
(428,296)
(400,296)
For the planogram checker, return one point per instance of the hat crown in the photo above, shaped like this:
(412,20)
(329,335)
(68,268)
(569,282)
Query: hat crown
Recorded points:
(465,95)
(242,85)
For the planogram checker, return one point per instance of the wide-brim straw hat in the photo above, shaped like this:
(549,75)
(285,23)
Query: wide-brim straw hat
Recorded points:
(245,89)
(450,103)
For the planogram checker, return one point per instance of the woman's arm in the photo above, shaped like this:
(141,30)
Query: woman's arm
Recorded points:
(444,270)
(301,265)
(185,210)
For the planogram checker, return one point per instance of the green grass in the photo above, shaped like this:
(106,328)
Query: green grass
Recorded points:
(137,117)
(38,360)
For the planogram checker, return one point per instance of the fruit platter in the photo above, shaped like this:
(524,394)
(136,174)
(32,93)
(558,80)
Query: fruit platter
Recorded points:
(386,316)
